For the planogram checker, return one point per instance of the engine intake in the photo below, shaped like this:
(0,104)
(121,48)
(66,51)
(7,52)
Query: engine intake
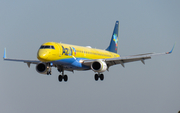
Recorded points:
(99,66)
(42,68)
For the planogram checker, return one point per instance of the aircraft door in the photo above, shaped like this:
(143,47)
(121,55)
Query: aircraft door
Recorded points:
(59,50)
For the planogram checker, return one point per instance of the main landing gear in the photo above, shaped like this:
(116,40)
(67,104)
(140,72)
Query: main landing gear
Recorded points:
(97,76)
(61,77)
(64,77)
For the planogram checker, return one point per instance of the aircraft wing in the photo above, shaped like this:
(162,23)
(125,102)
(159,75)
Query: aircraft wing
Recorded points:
(21,60)
(25,61)
(126,59)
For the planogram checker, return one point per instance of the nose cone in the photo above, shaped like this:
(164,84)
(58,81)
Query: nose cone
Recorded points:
(42,55)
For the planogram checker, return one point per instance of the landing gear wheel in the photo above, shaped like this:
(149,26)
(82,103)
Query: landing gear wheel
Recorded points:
(96,77)
(60,78)
(101,76)
(65,78)
(49,73)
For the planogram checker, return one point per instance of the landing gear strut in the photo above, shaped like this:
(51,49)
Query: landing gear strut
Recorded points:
(97,76)
(49,69)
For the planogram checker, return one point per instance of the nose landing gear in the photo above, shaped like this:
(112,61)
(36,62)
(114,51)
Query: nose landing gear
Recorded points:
(49,69)
(49,73)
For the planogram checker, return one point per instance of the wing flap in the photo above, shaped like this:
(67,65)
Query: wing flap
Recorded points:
(123,60)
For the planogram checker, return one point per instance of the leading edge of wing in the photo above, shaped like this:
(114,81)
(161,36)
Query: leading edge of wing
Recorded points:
(22,60)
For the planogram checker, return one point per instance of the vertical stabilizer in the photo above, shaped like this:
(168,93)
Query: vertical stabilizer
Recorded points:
(113,46)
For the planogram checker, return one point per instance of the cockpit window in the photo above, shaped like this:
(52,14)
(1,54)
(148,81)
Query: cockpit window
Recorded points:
(41,47)
(47,47)
(52,47)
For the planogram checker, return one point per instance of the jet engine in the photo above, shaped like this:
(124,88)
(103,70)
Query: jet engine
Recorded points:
(42,68)
(99,66)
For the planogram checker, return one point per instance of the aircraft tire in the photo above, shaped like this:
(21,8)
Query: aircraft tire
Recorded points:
(96,77)
(65,78)
(49,73)
(60,78)
(101,76)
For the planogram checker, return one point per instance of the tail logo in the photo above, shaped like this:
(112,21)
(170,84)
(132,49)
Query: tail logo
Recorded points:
(115,39)
(113,46)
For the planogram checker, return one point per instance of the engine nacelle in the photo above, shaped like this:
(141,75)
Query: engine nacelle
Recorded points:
(42,68)
(99,66)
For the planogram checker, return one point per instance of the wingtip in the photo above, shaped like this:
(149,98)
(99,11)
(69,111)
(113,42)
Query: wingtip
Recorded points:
(4,57)
(171,49)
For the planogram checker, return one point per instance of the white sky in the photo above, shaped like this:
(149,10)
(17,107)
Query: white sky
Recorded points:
(145,26)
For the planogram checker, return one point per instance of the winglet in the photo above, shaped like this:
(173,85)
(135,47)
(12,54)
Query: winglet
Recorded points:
(171,50)
(4,57)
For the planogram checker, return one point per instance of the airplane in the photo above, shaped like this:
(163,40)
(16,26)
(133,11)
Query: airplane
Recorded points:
(67,57)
